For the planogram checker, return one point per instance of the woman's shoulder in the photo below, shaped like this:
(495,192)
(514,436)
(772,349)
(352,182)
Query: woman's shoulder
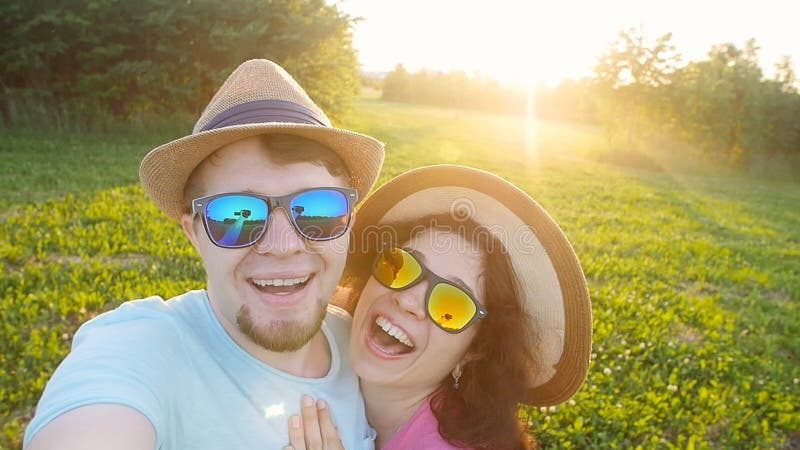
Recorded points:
(420,432)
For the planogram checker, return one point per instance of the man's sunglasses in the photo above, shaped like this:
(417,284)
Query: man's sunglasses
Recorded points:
(449,306)
(240,219)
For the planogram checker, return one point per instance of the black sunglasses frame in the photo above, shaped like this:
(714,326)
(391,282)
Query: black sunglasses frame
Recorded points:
(273,203)
(433,281)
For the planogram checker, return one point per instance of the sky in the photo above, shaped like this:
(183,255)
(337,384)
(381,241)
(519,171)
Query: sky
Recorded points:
(529,41)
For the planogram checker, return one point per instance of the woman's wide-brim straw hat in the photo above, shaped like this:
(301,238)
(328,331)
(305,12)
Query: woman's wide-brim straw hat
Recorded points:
(259,97)
(553,288)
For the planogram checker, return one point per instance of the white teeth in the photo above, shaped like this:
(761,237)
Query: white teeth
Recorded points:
(281,281)
(393,331)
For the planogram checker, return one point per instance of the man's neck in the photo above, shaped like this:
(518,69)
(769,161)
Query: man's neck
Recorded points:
(388,408)
(313,360)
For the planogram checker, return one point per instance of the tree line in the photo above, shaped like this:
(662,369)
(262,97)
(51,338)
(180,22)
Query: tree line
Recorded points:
(130,58)
(722,106)
(123,60)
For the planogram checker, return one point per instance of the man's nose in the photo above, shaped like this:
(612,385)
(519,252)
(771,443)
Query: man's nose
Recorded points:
(280,238)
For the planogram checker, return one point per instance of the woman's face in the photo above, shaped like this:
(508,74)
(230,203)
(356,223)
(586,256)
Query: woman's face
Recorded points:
(420,354)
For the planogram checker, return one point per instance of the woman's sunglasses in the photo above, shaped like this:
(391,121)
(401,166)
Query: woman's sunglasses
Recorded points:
(449,306)
(236,220)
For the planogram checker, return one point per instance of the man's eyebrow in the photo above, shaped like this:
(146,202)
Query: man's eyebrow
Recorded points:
(454,280)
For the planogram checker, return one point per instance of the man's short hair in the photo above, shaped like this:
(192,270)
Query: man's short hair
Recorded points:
(282,149)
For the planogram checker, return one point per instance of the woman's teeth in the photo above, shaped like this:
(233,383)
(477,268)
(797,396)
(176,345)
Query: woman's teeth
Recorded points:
(393,331)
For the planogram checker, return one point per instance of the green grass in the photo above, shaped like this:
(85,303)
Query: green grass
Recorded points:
(694,277)
(38,166)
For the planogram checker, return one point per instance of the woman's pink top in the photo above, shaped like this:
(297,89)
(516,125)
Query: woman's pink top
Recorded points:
(421,432)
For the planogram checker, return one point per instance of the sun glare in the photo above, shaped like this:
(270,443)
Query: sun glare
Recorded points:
(277,409)
(531,148)
(510,41)
(525,41)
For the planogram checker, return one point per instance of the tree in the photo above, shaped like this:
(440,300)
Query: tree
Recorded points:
(785,76)
(783,115)
(397,85)
(630,73)
(128,58)
(721,103)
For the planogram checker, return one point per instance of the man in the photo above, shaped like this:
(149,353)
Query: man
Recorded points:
(264,189)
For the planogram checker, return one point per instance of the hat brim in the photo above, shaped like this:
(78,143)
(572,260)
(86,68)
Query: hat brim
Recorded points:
(165,170)
(553,286)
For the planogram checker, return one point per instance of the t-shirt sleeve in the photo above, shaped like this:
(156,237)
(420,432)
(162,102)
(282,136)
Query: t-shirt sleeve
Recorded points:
(121,357)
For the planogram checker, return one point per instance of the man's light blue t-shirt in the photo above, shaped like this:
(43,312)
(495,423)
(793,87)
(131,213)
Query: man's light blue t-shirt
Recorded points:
(174,363)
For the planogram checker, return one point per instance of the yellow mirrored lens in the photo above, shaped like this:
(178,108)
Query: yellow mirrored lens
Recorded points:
(451,307)
(397,268)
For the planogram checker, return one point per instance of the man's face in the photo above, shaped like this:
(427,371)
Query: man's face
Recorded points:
(272,294)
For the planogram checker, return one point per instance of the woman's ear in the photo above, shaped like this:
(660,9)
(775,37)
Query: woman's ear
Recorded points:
(470,357)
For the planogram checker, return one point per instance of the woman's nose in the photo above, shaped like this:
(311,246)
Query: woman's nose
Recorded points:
(412,300)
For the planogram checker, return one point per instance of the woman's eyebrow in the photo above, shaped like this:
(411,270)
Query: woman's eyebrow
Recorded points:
(460,283)
(455,280)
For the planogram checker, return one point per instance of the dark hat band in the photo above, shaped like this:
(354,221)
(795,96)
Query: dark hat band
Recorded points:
(264,111)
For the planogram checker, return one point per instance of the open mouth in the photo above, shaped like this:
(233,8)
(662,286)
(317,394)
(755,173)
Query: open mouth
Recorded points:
(280,286)
(390,338)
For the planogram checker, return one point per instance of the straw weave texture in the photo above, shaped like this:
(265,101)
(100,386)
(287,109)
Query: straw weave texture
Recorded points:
(165,170)
(258,79)
(553,286)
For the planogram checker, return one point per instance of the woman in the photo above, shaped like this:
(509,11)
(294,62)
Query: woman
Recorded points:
(469,300)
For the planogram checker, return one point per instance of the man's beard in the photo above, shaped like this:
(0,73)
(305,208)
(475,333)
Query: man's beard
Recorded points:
(280,336)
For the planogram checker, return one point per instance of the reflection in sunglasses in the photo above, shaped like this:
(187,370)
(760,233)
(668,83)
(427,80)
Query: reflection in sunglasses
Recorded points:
(389,266)
(235,220)
(448,306)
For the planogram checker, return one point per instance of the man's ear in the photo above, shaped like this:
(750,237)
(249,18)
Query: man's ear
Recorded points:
(187,223)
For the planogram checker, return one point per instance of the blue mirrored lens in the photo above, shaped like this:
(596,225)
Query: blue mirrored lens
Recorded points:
(236,220)
(321,214)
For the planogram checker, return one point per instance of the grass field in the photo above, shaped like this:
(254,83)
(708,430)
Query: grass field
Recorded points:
(694,276)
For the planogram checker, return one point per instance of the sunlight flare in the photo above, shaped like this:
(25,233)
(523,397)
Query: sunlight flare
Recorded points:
(531,148)
(274,410)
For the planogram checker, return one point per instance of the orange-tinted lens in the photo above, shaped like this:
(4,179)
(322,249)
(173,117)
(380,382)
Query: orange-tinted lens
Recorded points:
(396,268)
(450,307)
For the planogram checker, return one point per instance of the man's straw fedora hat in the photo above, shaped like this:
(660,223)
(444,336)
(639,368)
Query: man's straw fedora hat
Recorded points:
(259,97)
(552,285)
